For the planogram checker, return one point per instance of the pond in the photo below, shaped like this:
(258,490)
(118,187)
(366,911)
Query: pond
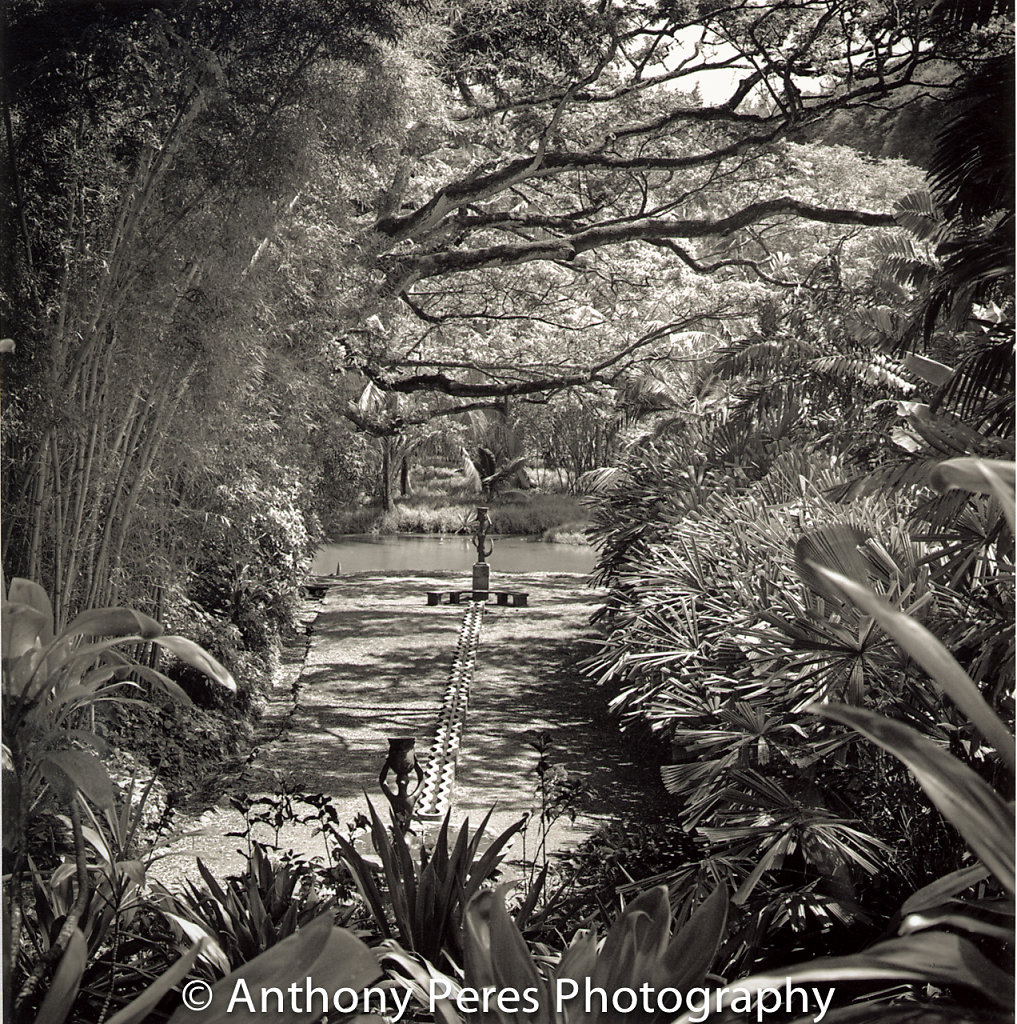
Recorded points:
(368,553)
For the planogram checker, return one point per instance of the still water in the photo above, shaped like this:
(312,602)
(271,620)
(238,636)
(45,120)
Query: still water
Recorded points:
(367,553)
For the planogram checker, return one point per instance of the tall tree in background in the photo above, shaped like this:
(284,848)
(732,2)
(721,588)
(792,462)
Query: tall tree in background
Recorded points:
(580,144)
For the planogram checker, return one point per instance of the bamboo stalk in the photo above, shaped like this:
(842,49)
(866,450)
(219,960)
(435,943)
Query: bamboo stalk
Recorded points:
(100,562)
(156,436)
(58,545)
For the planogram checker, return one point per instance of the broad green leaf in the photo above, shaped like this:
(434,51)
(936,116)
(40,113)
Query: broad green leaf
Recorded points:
(960,921)
(975,475)
(635,943)
(188,651)
(22,591)
(935,958)
(984,820)
(69,771)
(933,657)
(578,962)
(419,976)
(511,962)
(691,952)
(331,956)
(23,630)
(138,1009)
(113,622)
(929,370)
(981,476)
(936,893)
(63,989)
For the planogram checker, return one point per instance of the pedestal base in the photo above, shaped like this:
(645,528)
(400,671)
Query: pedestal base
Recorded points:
(481,580)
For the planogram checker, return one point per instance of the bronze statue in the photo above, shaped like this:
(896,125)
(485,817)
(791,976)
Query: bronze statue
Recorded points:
(481,540)
(403,762)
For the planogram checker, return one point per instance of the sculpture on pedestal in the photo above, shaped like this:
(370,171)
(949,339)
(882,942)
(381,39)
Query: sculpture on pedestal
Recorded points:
(402,762)
(481,570)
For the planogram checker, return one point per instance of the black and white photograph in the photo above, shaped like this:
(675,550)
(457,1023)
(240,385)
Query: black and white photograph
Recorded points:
(508,511)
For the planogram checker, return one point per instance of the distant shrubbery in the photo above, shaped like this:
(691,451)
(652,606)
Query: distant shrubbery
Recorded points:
(437,508)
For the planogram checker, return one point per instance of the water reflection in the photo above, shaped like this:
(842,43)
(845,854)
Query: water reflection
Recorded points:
(368,553)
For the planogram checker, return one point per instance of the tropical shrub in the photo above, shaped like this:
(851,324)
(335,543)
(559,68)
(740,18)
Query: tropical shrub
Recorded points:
(248,913)
(719,636)
(953,951)
(426,903)
(56,686)
(640,949)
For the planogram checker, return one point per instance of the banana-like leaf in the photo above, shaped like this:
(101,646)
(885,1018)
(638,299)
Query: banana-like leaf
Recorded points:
(69,771)
(332,956)
(933,657)
(63,989)
(188,651)
(113,622)
(22,591)
(23,629)
(981,817)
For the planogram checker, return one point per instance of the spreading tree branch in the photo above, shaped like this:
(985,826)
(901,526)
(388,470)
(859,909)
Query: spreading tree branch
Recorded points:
(408,270)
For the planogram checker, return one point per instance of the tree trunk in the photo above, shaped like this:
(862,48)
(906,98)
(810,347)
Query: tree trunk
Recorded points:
(404,477)
(386,475)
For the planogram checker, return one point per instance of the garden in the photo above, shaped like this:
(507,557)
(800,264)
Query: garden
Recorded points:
(721,291)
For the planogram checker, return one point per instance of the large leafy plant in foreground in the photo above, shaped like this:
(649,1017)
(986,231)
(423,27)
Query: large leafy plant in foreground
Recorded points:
(54,683)
(944,940)
(639,950)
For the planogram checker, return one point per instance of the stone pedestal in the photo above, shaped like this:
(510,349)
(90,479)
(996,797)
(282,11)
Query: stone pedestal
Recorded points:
(481,580)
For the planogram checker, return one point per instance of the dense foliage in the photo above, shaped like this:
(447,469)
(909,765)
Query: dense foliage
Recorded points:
(705,259)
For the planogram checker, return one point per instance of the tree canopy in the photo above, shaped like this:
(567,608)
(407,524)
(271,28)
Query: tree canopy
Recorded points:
(232,227)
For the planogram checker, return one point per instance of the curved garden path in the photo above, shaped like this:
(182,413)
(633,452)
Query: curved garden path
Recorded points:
(377,664)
